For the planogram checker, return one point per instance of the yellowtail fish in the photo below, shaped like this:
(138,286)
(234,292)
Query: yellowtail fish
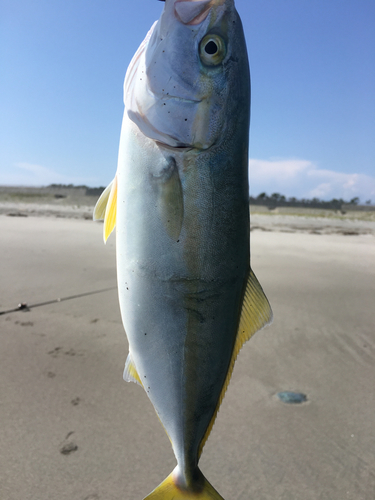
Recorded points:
(180,202)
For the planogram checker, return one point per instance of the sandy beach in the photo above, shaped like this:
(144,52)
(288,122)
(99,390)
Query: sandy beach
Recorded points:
(71,429)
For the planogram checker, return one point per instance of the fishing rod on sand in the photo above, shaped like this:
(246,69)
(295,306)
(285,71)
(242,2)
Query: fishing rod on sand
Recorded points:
(22,306)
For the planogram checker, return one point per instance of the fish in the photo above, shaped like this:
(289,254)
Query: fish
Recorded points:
(189,299)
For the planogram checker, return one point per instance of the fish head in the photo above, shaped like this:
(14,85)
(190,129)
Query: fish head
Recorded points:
(189,79)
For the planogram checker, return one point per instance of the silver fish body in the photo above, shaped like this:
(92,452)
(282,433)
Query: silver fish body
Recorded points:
(188,297)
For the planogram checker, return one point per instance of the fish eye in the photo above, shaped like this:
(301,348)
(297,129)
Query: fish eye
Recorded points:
(212,50)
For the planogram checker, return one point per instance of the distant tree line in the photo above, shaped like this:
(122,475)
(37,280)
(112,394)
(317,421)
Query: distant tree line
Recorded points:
(67,186)
(274,200)
(279,200)
(97,191)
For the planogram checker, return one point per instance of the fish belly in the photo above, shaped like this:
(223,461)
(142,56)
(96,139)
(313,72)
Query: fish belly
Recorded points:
(180,294)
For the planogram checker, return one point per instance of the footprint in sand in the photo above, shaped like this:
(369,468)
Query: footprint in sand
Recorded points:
(69,447)
(59,350)
(55,352)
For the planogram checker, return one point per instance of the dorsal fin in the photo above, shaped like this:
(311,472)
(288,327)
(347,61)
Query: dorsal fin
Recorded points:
(106,208)
(256,313)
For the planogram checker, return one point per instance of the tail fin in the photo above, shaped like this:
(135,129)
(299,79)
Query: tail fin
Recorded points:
(169,490)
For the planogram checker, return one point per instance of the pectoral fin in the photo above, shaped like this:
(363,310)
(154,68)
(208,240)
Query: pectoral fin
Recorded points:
(101,204)
(256,313)
(106,208)
(170,201)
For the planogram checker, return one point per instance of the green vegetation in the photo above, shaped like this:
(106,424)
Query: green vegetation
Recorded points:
(96,191)
(279,200)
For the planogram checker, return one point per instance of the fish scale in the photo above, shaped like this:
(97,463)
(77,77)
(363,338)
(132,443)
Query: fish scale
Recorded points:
(188,297)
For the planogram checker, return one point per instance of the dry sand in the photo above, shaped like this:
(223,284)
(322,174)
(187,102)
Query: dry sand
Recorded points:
(71,429)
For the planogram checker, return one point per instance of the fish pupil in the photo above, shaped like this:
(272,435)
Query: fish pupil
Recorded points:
(211,48)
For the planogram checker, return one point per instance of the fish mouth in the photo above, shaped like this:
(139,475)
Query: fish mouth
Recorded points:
(180,148)
(192,12)
(166,97)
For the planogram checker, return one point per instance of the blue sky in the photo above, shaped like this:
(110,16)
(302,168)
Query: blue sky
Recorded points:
(312,133)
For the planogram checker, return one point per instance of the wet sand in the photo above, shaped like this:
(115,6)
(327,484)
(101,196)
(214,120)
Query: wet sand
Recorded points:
(71,429)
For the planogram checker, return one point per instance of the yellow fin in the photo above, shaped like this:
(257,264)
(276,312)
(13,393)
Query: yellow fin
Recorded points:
(101,204)
(168,490)
(130,372)
(106,208)
(111,211)
(256,313)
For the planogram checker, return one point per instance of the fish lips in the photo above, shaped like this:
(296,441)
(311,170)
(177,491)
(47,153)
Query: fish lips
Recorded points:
(194,12)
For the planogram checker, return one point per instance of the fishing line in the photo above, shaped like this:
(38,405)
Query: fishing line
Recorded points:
(25,307)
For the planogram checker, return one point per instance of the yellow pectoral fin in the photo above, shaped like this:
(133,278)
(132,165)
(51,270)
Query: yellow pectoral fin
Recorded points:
(106,208)
(101,204)
(256,313)
(111,211)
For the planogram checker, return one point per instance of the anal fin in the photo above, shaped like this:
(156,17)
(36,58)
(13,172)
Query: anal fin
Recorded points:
(130,372)
(256,313)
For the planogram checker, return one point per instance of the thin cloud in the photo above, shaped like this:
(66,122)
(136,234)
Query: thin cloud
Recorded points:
(291,177)
(278,168)
(303,179)
(29,174)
